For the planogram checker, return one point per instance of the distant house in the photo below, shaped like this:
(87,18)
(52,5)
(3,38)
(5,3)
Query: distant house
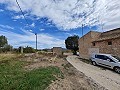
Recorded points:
(96,42)
(57,50)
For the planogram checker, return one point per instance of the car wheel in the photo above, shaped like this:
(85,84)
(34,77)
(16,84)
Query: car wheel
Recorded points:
(117,69)
(94,63)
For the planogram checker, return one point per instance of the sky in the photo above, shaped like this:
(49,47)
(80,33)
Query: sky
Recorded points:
(55,20)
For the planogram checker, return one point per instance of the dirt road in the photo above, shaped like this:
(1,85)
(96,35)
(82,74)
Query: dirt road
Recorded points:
(106,78)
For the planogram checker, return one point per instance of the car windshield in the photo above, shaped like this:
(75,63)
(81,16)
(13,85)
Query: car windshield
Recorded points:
(118,58)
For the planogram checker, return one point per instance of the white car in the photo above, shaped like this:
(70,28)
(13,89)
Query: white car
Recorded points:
(106,60)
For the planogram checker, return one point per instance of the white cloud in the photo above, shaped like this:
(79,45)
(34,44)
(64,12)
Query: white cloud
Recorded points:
(42,29)
(6,27)
(69,14)
(68,34)
(1,10)
(28,39)
(32,25)
(14,20)
(18,17)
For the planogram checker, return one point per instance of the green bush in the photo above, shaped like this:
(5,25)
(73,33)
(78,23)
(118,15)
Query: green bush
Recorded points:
(28,50)
(6,48)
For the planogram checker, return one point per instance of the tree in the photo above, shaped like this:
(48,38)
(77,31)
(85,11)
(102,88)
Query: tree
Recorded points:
(3,41)
(28,50)
(4,46)
(72,43)
(7,48)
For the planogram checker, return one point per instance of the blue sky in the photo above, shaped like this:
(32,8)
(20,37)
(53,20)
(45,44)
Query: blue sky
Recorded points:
(55,20)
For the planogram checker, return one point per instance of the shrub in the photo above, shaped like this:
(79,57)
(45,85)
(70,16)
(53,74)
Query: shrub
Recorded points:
(28,50)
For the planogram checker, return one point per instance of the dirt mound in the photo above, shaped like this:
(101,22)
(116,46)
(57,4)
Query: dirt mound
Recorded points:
(74,80)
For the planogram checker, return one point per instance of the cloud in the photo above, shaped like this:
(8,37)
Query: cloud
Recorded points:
(6,27)
(42,29)
(28,39)
(1,10)
(69,14)
(32,25)
(18,17)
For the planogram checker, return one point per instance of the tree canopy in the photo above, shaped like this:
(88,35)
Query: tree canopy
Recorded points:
(3,41)
(72,43)
(4,46)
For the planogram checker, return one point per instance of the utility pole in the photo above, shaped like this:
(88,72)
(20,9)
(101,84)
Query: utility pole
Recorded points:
(82,29)
(82,35)
(36,41)
(102,27)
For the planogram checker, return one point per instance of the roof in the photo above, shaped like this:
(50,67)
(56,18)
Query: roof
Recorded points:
(90,32)
(112,34)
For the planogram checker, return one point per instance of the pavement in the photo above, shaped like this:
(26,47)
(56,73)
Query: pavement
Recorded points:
(105,77)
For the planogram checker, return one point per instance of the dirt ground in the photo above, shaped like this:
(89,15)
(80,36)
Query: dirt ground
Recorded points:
(72,80)
(105,77)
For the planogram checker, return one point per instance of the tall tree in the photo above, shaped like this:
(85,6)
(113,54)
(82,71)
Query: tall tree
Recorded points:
(72,43)
(3,41)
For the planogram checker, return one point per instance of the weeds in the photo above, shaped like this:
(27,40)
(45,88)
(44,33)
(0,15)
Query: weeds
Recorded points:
(88,61)
(14,77)
(67,66)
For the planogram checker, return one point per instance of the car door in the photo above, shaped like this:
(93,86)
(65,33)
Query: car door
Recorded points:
(99,59)
(108,62)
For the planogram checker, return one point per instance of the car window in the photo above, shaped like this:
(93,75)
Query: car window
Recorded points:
(117,58)
(101,57)
(109,59)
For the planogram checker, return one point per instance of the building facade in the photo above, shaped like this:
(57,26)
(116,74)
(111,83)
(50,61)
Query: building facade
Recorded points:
(96,42)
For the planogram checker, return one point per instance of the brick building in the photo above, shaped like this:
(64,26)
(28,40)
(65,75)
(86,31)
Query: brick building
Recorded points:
(97,42)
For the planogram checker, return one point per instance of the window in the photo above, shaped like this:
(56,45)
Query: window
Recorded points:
(93,44)
(101,57)
(117,58)
(109,43)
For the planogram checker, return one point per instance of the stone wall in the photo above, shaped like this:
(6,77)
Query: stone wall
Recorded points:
(57,50)
(85,43)
(109,49)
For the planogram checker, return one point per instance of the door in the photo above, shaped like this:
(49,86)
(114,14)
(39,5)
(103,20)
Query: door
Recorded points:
(108,62)
(93,50)
(104,61)
(99,59)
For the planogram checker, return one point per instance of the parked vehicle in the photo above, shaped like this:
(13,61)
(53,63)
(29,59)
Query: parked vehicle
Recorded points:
(106,60)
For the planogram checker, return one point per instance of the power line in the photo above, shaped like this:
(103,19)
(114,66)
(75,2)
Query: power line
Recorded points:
(22,12)
(36,41)
(26,20)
